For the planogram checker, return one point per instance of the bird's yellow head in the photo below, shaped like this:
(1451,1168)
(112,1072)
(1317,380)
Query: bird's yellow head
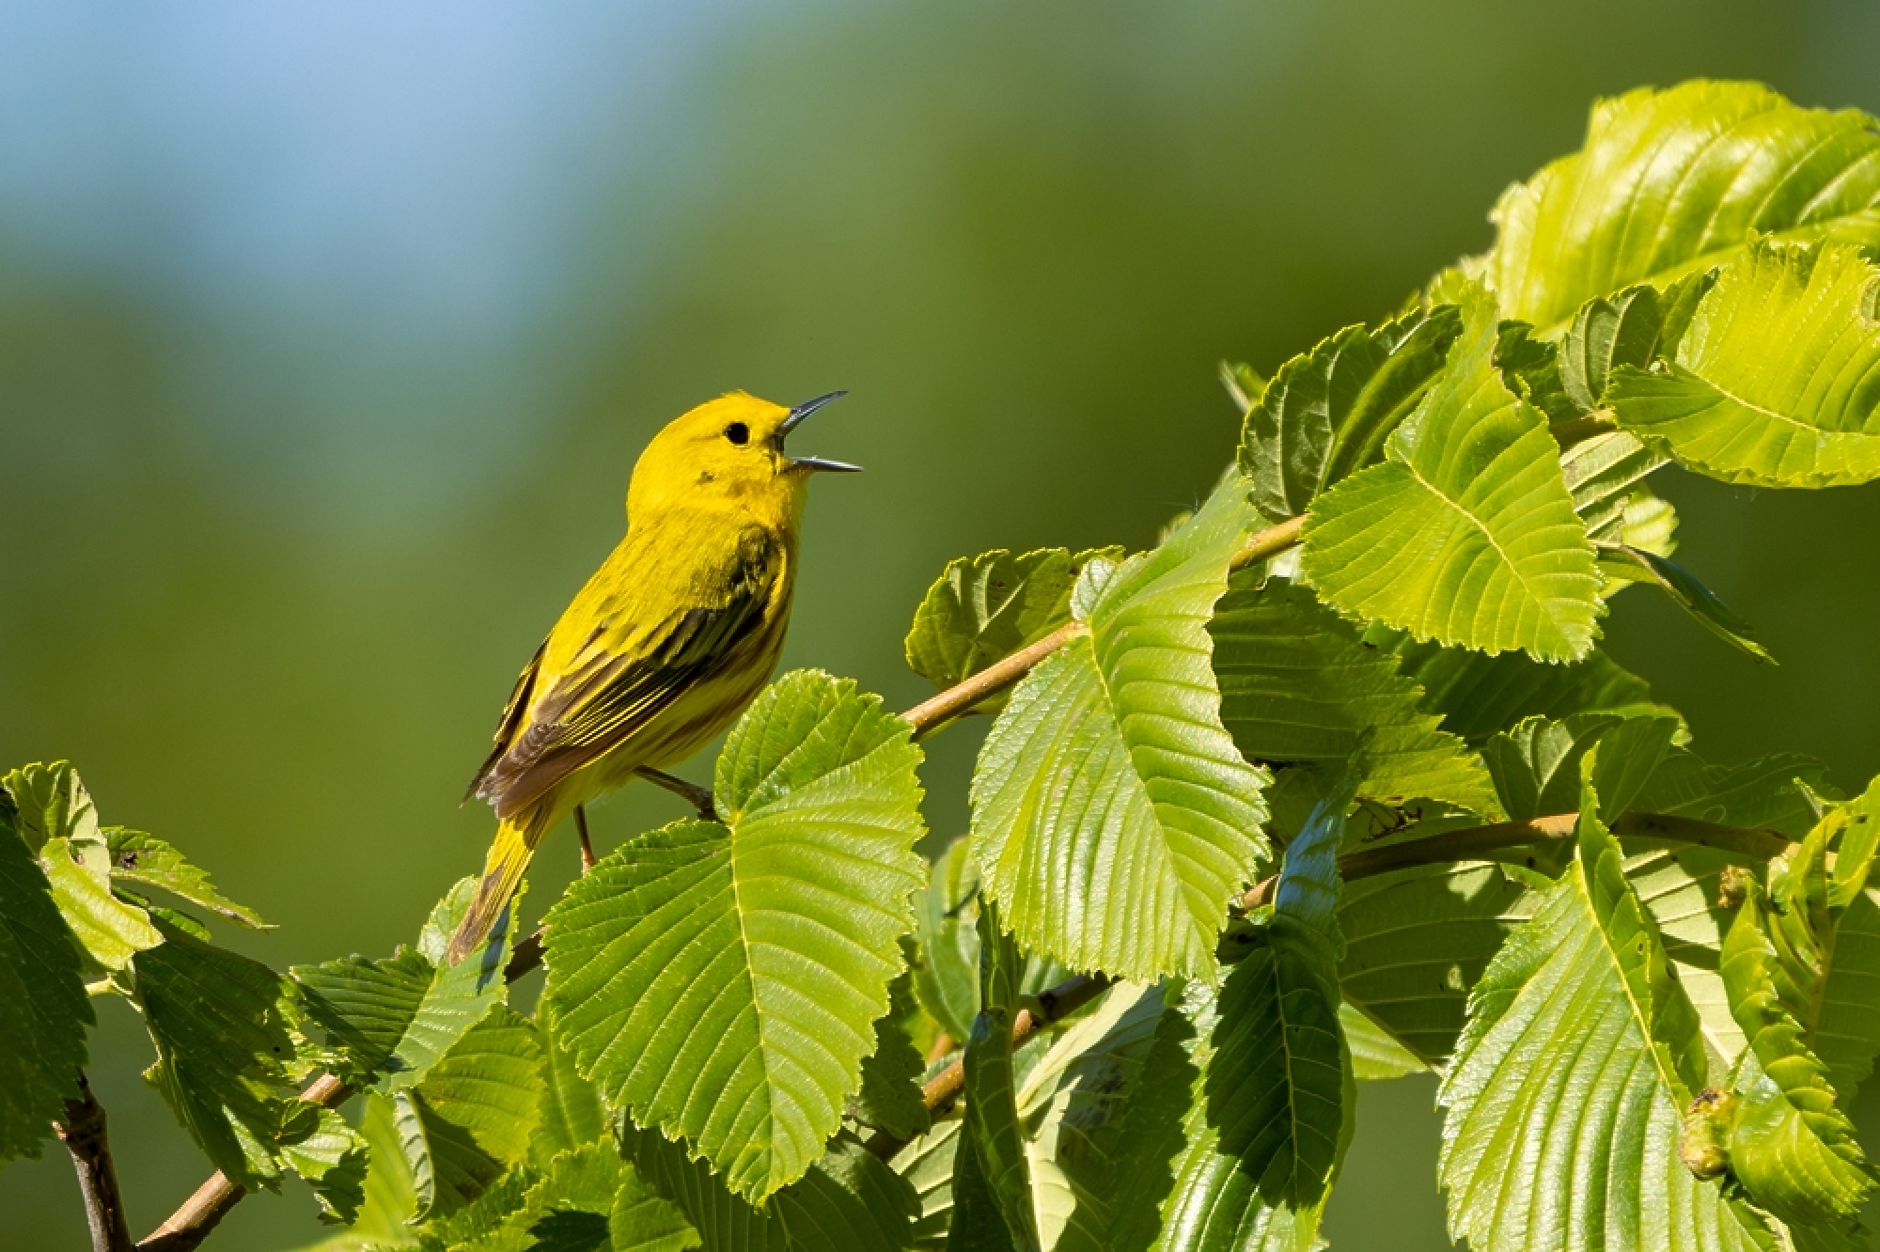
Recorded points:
(728,453)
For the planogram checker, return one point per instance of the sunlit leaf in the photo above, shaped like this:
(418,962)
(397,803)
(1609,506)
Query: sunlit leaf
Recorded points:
(44,1013)
(1466,533)
(1778,380)
(1580,1000)
(333,1160)
(1299,685)
(1375,1053)
(946,977)
(1672,182)
(1113,817)
(1327,412)
(722,981)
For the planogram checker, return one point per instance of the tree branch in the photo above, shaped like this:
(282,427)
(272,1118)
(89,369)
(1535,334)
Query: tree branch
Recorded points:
(930,715)
(187,1227)
(943,1089)
(83,1134)
(1472,842)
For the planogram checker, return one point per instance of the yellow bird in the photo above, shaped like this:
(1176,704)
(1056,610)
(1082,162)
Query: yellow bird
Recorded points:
(671,638)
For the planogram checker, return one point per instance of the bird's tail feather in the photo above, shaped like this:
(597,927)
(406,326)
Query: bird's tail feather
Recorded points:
(509,856)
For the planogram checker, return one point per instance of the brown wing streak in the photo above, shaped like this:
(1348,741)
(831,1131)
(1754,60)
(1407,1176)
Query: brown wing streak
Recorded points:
(601,704)
(506,729)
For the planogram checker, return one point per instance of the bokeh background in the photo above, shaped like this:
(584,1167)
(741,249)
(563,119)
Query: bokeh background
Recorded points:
(329,333)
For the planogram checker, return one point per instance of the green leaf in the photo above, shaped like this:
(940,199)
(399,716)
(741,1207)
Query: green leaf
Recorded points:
(722,981)
(145,859)
(572,1113)
(991,1146)
(1847,1032)
(333,1160)
(1479,695)
(1417,941)
(1580,1000)
(50,802)
(1777,381)
(1244,384)
(1759,792)
(1620,329)
(1327,412)
(1790,1143)
(110,930)
(1687,593)
(1603,474)
(890,1098)
(222,1025)
(1375,1053)
(986,607)
(946,976)
(473,1115)
(1466,533)
(1680,885)
(392,1020)
(847,1200)
(1070,1109)
(1672,182)
(1531,369)
(1536,765)
(44,1012)
(1299,685)
(1110,768)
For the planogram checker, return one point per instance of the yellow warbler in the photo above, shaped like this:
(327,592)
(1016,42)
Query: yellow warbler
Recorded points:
(671,638)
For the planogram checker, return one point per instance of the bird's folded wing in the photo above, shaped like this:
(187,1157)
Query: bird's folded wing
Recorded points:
(605,697)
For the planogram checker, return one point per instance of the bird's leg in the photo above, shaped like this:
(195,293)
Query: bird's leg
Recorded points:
(587,847)
(698,797)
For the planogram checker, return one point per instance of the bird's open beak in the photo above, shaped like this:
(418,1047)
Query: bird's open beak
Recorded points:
(811,464)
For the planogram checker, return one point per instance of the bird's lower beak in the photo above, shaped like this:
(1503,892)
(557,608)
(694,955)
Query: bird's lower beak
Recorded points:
(812,464)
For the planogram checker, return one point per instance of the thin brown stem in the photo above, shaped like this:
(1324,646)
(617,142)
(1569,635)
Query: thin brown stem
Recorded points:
(1473,842)
(82,1131)
(942,1091)
(587,844)
(929,715)
(202,1212)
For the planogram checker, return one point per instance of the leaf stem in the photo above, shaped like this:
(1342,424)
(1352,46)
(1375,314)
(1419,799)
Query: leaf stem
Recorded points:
(930,715)
(1472,842)
(83,1134)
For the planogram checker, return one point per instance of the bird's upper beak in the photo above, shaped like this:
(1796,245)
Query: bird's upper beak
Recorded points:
(795,419)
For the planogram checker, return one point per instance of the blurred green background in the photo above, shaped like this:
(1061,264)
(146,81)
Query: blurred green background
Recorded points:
(329,333)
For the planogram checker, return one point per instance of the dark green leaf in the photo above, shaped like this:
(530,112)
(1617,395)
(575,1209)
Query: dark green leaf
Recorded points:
(1298,685)
(1479,695)
(222,1027)
(1536,765)
(890,1098)
(946,977)
(474,1114)
(990,1143)
(1686,592)
(986,607)
(44,1012)
(393,1019)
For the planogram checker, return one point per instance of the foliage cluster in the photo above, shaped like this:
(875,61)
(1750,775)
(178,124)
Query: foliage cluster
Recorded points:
(1333,784)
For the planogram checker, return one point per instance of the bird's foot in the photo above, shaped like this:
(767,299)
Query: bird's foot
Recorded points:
(698,797)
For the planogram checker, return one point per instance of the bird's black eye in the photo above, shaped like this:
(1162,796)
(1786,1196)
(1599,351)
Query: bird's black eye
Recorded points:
(738,433)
